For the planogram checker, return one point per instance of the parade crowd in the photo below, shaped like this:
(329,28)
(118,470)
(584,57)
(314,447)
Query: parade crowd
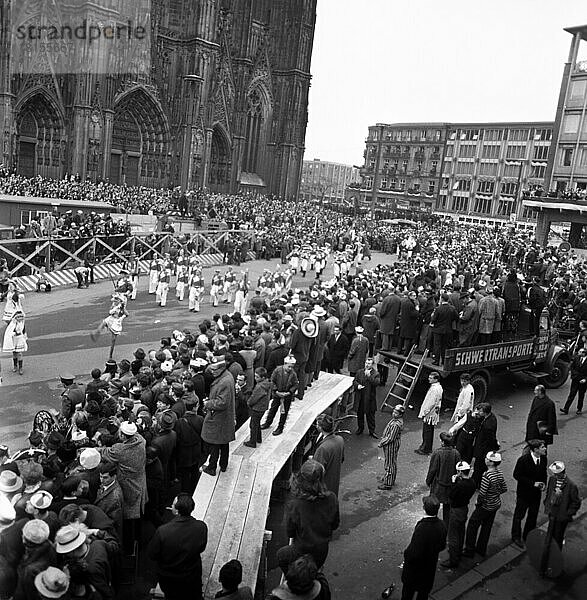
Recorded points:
(114,472)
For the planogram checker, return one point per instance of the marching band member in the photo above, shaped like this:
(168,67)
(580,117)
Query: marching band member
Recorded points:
(124,286)
(304,262)
(113,322)
(163,286)
(216,287)
(240,297)
(15,340)
(196,292)
(294,258)
(182,281)
(229,286)
(134,268)
(154,268)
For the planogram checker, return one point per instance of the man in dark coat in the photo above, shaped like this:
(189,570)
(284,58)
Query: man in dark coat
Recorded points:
(176,550)
(358,352)
(578,381)
(366,381)
(530,473)
(189,448)
(338,348)
(443,465)
(408,323)
(300,349)
(421,556)
(486,439)
(442,321)
(541,423)
(329,452)
(388,313)
(218,428)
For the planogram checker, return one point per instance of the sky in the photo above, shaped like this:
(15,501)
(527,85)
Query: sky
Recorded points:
(386,61)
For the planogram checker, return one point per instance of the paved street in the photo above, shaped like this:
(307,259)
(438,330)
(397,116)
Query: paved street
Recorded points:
(376,526)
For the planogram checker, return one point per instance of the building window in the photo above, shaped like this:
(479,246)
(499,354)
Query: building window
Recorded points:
(465,168)
(395,165)
(469,135)
(437,135)
(529,213)
(486,187)
(393,183)
(419,165)
(543,135)
(541,152)
(434,167)
(567,157)
(467,151)
(571,124)
(368,181)
(404,165)
(462,185)
(402,184)
(431,187)
(460,204)
(509,188)
(375,135)
(488,168)
(583,162)
(578,89)
(450,150)
(383,185)
(506,207)
(517,151)
(538,171)
(386,163)
(371,164)
(518,135)
(408,136)
(492,135)
(483,205)
(445,182)
(442,202)
(490,151)
(512,170)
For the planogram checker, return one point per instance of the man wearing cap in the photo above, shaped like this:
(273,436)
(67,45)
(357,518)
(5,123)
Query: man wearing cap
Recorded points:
(285,384)
(38,555)
(72,395)
(76,550)
(390,443)
(358,352)
(440,472)
(462,489)
(216,287)
(492,486)
(561,502)
(530,473)
(219,422)
(329,451)
(176,550)
(129,456)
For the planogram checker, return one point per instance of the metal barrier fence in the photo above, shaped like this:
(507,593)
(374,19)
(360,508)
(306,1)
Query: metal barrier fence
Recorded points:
(27,256)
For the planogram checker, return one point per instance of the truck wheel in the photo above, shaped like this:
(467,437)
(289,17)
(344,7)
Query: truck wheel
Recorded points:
(558,375)
(480,385)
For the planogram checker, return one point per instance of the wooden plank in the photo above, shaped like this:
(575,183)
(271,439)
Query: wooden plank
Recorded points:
(216,514)
(203,495)
(249,552)
(235,523)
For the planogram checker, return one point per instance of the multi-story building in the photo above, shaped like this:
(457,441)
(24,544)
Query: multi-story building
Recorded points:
(326,181)
(402,165)
(487,165)
(477,170)
(565,192)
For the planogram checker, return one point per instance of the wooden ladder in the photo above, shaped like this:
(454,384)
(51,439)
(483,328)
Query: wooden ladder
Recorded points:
(405,381)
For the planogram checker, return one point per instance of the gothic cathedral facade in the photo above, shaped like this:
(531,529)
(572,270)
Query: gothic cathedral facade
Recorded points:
(222,104)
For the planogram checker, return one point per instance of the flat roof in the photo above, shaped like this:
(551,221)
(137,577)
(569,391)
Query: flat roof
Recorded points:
(98,206)
(480,124)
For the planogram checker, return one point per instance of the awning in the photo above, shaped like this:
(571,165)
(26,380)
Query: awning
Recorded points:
(252,180)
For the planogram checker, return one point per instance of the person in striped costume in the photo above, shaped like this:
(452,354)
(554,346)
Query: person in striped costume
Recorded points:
(390,442)
(182,281)
(492,486)
(154,268)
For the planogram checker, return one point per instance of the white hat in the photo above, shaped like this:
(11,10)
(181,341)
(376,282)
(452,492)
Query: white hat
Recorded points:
(128,428)
(493,456)
(89,458)
(7,512)
(359,329)
(463,465)
(289,360)
(558,466)
(52,583)
(167,366)
(41,500)
(78,435)
(318,311)
(36,531)
(68,538)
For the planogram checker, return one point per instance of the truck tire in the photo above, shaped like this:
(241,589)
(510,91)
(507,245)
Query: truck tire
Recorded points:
(558,375)
(480,384)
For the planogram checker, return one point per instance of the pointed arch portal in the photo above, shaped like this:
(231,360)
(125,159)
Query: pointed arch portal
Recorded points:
(219,161)
(140,142)
(40,143)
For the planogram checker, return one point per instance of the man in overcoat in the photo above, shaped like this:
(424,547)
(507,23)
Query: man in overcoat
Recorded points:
(388,313)
(421,556)
(218,429)
(541,423)
(329,452)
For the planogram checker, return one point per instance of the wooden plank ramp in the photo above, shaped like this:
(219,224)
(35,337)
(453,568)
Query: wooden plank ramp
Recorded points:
(235,504)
